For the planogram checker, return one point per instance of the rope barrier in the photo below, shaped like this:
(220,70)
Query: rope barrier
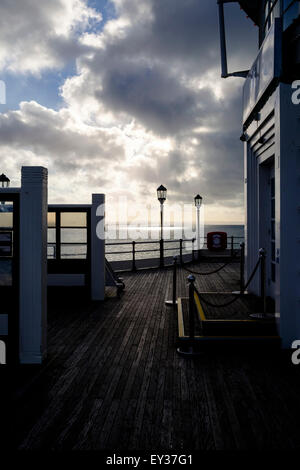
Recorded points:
(253,274)
(236,297)
(210,272)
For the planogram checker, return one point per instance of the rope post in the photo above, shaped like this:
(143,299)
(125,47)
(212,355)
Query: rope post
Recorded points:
(193,249)
(263,291)
(173,302)
(180,250)
(232,246)
(133,268)
(262,256)
(191,280)
(242,268)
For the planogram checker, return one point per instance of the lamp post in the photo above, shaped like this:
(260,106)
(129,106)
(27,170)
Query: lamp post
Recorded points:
(4,183)
(161,196)
(198,203)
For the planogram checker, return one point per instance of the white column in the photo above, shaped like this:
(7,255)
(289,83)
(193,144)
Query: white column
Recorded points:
(33,265)
(98,247)
(198,229)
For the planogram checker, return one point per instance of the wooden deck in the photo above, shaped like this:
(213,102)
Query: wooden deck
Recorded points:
(113,379)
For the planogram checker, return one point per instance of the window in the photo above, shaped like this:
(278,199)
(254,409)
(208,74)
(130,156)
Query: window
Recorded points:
(67,234)
(51,251)
(73,235)
(7,249)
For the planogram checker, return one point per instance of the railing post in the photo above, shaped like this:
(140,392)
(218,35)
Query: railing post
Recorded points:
(242,268)
(191,280)
(180,251)
(232,246)
(133,257)
(193,249)
(161,249)
(198,249)
(173,302)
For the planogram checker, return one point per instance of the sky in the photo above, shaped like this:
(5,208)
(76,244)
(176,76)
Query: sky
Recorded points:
(120,96)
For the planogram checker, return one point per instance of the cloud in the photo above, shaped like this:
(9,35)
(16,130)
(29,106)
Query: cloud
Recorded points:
(147,104)
(35,135)
(37,35)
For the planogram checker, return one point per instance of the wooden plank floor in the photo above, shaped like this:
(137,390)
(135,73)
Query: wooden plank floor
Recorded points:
(113,379)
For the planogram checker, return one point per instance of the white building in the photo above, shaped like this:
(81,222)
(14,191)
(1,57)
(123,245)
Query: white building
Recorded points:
(271,136)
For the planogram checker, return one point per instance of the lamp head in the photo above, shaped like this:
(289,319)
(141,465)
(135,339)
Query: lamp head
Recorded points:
(198,200)
(161,194)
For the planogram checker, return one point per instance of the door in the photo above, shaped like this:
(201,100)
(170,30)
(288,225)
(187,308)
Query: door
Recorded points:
(9,275)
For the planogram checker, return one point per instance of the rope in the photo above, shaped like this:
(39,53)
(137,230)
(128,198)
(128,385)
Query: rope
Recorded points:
(236,297)
(210,272)
(252,275)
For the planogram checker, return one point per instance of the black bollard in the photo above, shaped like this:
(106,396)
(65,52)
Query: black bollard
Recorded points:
(263,293)
(262,256)
(242,268)
(191,280)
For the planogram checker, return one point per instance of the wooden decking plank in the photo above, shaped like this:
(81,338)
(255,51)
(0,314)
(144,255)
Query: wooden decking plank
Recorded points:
(114,380)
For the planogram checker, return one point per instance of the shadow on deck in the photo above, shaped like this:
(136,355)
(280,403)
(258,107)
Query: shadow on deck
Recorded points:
(113,379)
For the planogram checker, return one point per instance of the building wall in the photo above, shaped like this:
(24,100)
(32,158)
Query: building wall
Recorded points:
(259,151)
(287,169)
(274,142)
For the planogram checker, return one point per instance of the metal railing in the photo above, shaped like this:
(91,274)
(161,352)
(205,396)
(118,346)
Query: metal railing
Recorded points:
(180,249)
(163,247)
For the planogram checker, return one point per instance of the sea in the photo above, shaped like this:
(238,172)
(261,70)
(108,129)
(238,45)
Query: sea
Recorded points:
(147,241)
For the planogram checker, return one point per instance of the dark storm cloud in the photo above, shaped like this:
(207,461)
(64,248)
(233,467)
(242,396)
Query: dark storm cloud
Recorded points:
(154,97)
(146,71)
(218,162)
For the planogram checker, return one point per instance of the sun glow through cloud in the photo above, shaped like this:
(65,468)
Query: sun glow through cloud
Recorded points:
(143,104)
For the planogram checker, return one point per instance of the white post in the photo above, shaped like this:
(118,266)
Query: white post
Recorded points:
(98,247)
(33,265)
(198,230)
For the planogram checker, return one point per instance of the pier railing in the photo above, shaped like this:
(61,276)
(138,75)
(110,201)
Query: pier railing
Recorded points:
(179,247)
(137,250)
